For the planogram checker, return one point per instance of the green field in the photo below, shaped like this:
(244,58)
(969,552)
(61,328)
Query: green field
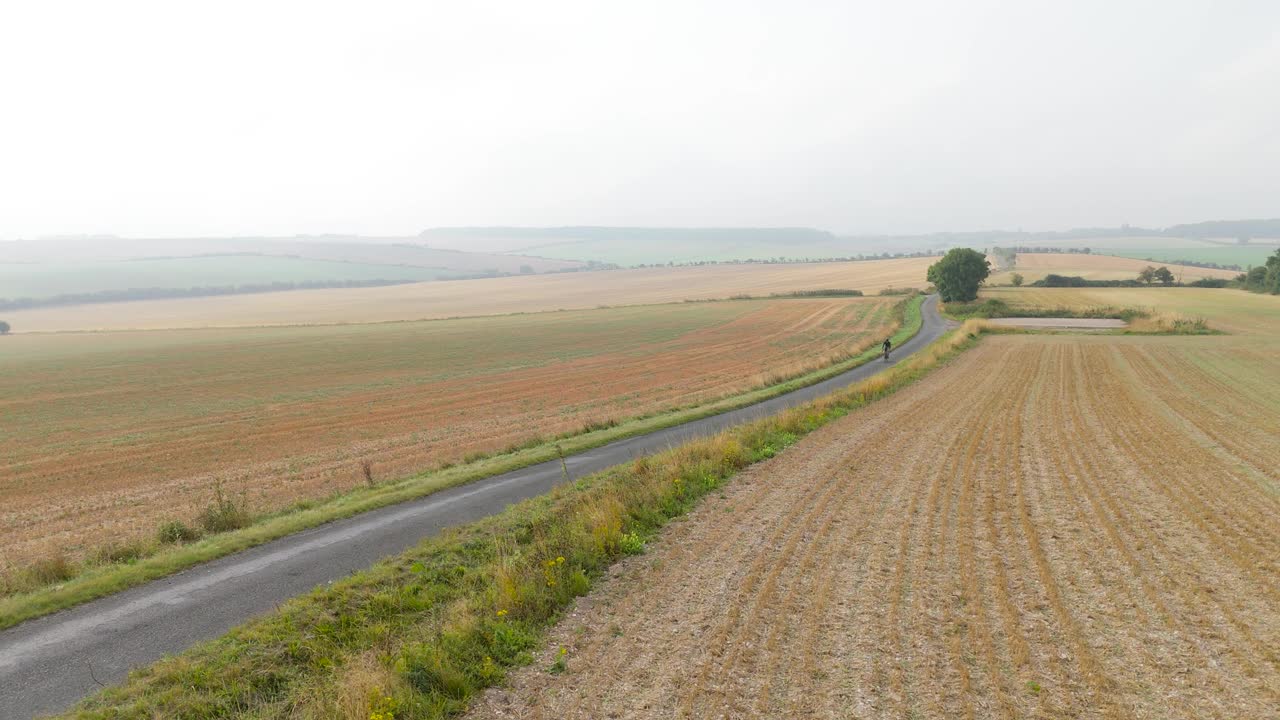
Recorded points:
(49,279)
(1242,255)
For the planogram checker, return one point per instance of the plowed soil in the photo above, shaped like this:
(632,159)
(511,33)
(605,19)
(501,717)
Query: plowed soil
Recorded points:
(1049,527)
(105,436)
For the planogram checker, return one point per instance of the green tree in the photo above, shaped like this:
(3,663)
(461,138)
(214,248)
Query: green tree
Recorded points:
(4,328)
(959,274)
(1256,278)
(1147,274)
(1016,279)
(1271,282)
(1163,275)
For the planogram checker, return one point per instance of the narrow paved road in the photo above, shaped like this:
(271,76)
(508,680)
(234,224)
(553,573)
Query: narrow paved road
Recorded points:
(48,663)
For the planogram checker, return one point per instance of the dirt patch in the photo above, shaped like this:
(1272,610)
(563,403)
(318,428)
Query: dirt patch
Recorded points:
(1045,528)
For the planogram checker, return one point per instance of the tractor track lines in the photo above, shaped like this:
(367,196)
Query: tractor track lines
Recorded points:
(1034,530)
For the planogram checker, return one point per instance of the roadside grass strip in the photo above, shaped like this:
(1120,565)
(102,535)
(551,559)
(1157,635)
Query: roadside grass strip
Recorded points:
(418,635)
(75,585)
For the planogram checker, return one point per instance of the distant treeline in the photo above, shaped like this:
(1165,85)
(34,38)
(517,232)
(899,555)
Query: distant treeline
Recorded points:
(1059,281)
(586,233)
(1197,263)
(590,265)
(1036,249)
(1241,229)
(1007,255)
(105,296)
(783,260)
(157,293)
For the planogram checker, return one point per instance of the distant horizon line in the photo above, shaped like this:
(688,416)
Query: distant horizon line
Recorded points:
(661,228)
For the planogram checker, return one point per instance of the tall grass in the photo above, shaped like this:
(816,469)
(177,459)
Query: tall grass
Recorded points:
(418,635)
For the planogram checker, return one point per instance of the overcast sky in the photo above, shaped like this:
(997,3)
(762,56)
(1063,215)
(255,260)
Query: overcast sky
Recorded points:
(180,118)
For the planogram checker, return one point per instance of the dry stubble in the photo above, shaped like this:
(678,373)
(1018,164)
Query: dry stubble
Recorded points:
(1050,527)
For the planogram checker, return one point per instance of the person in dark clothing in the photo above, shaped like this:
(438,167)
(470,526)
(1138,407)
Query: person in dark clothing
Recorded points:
(887,347)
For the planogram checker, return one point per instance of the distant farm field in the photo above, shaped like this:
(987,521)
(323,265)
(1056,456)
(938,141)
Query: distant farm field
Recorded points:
(1034,266)
(477,297)
(1242,255)
(1050,526)
(47,279)
(107,435)
(1234,311)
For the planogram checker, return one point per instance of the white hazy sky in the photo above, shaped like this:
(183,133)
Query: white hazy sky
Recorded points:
(182,118)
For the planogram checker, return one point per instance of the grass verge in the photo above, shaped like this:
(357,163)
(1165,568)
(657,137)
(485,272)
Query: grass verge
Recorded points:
(418,635)
(71,588)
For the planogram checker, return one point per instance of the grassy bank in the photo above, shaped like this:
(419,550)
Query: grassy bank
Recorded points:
(418,635)
(162,559)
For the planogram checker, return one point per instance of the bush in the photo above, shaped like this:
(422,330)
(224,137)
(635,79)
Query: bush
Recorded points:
(1209,283)
(898,291)
(1052,280)
(176,531)
(4,328)
(224,514)
(1017,279)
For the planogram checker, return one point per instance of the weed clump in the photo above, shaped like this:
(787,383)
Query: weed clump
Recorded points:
(50,570)
(559,666)
(631,544)
(224,513)
(175,532)
(121,553)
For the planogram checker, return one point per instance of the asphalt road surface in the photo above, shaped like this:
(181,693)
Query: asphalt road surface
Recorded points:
(49,663)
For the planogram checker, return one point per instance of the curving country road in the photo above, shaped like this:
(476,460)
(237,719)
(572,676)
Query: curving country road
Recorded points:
(48,663)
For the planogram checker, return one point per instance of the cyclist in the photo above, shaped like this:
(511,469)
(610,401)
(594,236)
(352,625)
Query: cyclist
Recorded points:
(887,347)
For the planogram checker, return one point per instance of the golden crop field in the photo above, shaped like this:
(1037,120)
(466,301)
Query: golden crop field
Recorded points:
(1235,311)
(1051,526)
(495,296)
(106,435)
(1034,266)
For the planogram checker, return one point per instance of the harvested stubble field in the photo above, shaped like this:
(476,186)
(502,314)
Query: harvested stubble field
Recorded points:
(1051,526)
(495,296)
(1034,266)
(107,435)
(1234,311)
